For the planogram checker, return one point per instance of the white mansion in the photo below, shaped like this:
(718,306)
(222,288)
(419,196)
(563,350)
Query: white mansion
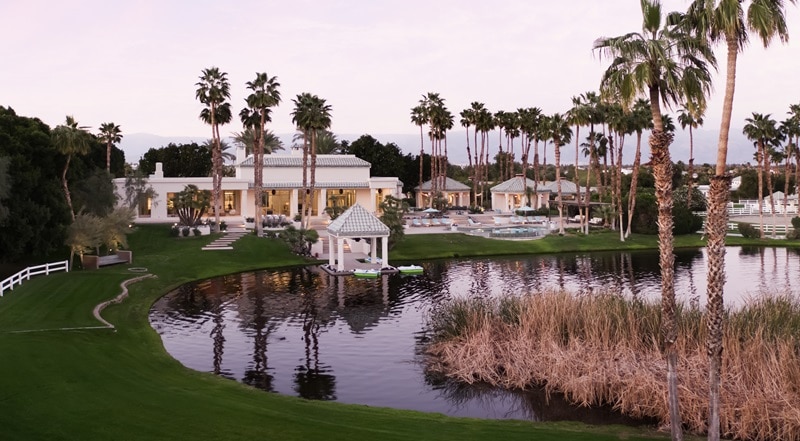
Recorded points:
(341,180)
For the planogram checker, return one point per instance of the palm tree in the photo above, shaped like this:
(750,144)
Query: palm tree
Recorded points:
(212,91)
(763,131)
(580,115)
(264,96)
(419,117)
(669,66)
(691,116)
(247,139)
(726,20)
(792,129)
(484,123)
(111,134)
(311,115)
(641,119)
(70,139)
(559,131)
(530,119)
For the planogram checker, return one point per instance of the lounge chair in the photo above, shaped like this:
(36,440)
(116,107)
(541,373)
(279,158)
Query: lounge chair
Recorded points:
(472,223)
(447,221)
(436,222)
(415,222)
(426,222)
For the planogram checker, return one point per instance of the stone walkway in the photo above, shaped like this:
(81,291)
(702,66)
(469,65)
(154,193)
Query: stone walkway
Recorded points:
(225,242)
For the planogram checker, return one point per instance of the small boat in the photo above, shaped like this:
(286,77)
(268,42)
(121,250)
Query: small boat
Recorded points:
(410,269)
(366,273)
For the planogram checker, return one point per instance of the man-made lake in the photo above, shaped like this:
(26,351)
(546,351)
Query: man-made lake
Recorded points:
(302,332)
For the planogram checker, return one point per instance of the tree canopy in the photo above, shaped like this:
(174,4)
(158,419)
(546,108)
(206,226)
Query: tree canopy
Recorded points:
(179,160)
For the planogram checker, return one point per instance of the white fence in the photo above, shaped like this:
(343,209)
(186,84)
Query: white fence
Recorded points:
(47,268)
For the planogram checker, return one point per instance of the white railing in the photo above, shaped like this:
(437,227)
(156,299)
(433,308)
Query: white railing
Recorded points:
(47,268)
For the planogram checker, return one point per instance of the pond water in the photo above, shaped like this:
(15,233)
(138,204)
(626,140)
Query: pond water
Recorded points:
(303,332)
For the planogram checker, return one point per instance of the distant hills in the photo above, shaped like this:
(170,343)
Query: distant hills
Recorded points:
(740,150)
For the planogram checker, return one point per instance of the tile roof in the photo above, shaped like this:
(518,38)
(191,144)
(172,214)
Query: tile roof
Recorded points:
(274,160)
(356,221)
(517,185)
(451,185)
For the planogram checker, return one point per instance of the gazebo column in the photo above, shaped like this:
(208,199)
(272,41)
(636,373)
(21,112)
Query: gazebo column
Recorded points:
(385,251)
(373,250)
(340,253)
(331,251)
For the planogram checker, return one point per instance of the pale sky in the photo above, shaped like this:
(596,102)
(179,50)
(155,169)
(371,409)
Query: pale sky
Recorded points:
(136,63)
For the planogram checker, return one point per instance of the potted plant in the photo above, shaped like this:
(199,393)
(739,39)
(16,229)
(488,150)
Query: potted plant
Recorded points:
(250,223)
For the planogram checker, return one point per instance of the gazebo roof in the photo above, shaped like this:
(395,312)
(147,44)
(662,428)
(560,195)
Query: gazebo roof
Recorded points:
(450,185)
(356,221)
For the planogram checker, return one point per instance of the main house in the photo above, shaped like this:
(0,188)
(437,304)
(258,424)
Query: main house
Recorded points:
(341,180)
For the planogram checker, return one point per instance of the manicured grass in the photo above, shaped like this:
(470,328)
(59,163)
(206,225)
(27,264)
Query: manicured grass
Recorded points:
(441,246)
(121,384)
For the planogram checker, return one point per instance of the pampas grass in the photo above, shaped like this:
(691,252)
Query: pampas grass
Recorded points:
(604,349)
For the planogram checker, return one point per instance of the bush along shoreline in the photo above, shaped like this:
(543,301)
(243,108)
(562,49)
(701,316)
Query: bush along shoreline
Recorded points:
(603,349)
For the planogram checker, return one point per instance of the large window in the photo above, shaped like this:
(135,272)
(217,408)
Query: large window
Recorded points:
(277,202)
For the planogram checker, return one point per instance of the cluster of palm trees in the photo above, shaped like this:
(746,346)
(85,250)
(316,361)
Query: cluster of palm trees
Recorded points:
(72,139)
(775,144)
(311,115)
(668,61)
(431,111)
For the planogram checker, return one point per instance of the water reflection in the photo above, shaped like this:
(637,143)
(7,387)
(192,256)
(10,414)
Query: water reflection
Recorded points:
(302,332)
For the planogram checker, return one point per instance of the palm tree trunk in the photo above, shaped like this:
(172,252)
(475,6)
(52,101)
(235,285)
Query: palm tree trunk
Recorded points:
(768,164)
(65,186)
(637,160)
(662,171)
(108,156)
(557,147)
(760,190)
(618,188)
(716,229)
(577,182)
(313,177)
(421,155)
(691,170)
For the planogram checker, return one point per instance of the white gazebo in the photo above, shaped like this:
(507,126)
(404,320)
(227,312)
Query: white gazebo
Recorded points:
(357,223)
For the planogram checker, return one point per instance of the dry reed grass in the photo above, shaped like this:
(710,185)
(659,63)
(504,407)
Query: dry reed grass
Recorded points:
(603,349)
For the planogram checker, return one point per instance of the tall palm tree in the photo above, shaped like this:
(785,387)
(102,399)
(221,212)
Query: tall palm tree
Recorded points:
(312,114)
(691,116)
(591,101)
(484,123)
(70,139)
(641,119)
(792,130)
(213,90)
(558,130)
(580,115)
(419,117)
(668,65)
(263,97)
(726,20)
(530,119)
(763,131)
(111,134)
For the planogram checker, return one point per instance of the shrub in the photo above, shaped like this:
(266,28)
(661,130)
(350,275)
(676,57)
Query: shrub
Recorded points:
(747,230)
(223,226)
(185,231)
(174,231)
(796,223)
(196,231)
(685,222)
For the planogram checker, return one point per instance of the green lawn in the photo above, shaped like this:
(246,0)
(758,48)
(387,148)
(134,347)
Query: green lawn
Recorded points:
(121,384)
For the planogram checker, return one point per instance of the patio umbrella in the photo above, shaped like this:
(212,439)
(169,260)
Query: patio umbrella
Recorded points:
(526,209)
(430,210)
